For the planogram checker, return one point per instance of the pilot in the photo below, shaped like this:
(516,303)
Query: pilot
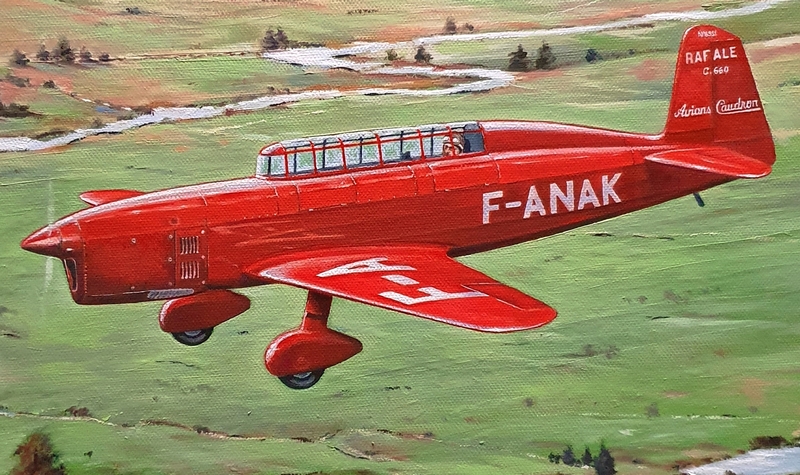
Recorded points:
(453,146)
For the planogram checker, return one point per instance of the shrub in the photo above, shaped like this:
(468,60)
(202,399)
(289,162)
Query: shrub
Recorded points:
(49,84)
(268,42)
(18,58)
(587,458)
(768,442)
(450,27)
(43,54)
(422,56)
(63,51)
(568,457)
(518,60)
(17,81)
(391,55)
(592,55)
(85,55)
(604,464)
(545,59)
(14,110)
(36,456)
(104,57)
(468,27)
(133,10)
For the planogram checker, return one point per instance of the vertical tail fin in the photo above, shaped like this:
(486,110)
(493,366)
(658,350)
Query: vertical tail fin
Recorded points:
(714,96)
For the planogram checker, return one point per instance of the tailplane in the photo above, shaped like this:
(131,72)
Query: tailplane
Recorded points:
(714,96)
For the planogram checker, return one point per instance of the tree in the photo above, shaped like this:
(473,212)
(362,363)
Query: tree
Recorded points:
(545,59)
(36,456)
(450,27)
(468,27)
(587,458)
(518,60)
(422,56)
(554,458)
(391,55)
(18,58)
(282,39)
(568,457)
(268,42)
(63,51)
(43,54)
(604,464)
(85,55)
(592,55)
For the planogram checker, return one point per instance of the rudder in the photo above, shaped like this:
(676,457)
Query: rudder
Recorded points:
(714,96)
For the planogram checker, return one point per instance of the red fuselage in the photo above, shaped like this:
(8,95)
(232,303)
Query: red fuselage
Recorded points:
(532,180)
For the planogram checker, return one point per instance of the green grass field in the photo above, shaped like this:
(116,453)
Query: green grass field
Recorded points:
(692,313)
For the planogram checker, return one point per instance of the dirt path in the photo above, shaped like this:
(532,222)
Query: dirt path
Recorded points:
(327,58)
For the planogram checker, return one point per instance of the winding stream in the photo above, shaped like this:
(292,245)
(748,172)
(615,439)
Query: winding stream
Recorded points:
(327,58)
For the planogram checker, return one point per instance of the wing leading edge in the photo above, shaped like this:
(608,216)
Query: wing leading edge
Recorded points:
(420,281)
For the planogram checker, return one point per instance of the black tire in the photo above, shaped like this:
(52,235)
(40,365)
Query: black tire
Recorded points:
(193,337)
(302,380)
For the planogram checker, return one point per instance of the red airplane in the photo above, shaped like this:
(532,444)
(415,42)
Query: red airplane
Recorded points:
(378,216)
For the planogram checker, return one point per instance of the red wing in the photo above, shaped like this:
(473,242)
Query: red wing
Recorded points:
(420,281)
(99,197)
(713,160)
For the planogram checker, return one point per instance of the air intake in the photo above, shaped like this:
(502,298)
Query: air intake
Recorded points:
(190,270)
(190,245)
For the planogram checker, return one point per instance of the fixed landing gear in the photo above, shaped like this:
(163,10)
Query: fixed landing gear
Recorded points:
(193,337)
(299,357)
(302,380)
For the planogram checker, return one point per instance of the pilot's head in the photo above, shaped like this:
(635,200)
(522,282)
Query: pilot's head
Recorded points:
(453,145)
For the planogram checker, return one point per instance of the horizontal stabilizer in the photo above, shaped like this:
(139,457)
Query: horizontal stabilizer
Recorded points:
(720,161)
(99,197)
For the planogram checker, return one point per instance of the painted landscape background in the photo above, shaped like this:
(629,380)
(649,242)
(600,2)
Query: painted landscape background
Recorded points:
(678,328)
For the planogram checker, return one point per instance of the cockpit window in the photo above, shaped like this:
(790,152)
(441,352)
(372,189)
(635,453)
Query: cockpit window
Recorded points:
(369,149)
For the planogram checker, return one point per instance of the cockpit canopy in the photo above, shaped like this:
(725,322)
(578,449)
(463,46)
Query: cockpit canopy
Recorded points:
(354,150)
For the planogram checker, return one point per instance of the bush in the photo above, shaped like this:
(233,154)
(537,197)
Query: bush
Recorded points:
(63,51)
(17,81)
(450,27)
(104,57)
(49,84)
(604,464)
(768,442)
(422,56)
(133,10)
(268,42)
(518,60)
(36,456)
(568,457)
(545,59)
(592,55)
(468,27)
(43,54)
(14,110)
(587,458)
(391,55)
(18,58)
(85,55)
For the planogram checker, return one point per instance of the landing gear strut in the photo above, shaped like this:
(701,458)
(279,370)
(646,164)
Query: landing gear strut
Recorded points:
(300,356)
